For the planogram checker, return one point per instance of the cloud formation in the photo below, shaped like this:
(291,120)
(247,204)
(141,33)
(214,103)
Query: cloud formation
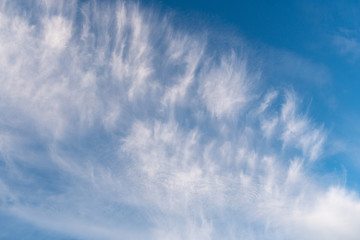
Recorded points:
(119,126)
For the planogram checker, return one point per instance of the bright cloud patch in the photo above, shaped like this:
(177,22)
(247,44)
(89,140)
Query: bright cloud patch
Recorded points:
(116,125)
(226,87)
(57,32)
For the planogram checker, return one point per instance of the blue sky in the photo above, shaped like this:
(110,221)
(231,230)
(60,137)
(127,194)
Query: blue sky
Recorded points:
(179,120)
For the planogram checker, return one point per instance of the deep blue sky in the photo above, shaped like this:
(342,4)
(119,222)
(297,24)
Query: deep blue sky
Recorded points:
(306,28)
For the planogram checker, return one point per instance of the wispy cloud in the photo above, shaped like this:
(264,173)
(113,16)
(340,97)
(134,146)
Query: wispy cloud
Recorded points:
(348,44)
(227,87)
(120,126)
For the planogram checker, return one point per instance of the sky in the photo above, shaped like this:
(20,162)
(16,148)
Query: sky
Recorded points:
(179,120)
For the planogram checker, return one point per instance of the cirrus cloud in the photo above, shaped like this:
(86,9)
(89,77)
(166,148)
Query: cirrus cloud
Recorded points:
(119,126)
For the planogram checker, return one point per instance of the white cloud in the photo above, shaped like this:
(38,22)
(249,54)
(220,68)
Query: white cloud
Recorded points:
(333,215)
(268,126)
(226,87)
(299,131)
(186,52)
(57,32)
(268,99)
(124,133)
(132,59)
(173,176)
